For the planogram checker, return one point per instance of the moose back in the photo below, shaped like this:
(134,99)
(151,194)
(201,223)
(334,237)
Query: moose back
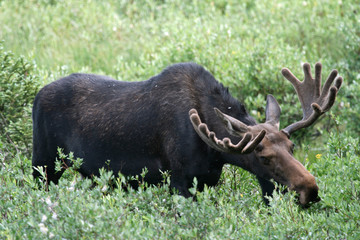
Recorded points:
(168,123)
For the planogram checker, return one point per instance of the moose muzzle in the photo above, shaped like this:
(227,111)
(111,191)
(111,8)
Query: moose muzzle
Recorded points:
(307,190)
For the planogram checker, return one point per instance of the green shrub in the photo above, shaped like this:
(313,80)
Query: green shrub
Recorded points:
(75,208)
(18,87)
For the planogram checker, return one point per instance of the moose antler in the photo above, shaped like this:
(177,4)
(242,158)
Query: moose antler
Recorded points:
(246,145)
(314,101)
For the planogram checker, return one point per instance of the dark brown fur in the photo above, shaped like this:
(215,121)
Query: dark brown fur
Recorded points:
(140,124)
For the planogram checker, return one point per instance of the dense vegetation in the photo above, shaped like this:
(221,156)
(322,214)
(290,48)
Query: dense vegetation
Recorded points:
(244,44)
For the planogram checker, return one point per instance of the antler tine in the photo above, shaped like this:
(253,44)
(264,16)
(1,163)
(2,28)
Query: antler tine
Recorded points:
(245,145)
(314,100)
(253,144)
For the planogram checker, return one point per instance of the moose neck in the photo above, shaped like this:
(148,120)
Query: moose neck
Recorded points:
(248,162)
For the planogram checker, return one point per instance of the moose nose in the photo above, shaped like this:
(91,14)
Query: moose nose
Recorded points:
(314,197)
(307,189)
(309,195)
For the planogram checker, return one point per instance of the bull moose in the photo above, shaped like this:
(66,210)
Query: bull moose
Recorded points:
(163,124)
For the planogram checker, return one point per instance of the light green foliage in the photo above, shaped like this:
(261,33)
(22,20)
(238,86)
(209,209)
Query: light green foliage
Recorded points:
(76,208)
(18,87)
(244,44)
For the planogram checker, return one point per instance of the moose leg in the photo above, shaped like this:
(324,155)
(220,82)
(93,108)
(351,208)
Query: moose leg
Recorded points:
(49,169)
(180,184)
(267,188)
(41,158)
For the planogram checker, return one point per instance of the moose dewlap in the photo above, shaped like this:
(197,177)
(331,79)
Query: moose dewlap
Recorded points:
(168,123)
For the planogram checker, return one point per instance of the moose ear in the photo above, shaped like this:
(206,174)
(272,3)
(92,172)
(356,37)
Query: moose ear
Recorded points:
(232,125)
(272,111)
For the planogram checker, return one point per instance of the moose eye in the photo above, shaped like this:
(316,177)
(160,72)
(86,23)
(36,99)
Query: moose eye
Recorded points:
(265,160)
(259,148)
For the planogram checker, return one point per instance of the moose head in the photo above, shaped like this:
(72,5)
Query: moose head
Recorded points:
(271,145)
